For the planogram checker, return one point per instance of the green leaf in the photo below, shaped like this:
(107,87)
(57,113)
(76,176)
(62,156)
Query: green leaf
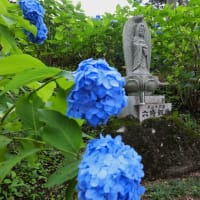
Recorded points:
(71,189)
(58,101)
(8,20)
(30,75)
(17,63)
(61,132)
(27,111)
(2,6)
(4,141)
(8,41)
(26,24)
(46,92)
(6,166)
(68,172)
(65,83)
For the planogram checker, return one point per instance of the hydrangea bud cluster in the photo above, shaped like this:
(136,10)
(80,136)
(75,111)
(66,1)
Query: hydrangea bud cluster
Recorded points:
(110,170)
(98,92)
(34,12)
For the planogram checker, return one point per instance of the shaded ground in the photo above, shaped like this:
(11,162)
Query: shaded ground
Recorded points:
(168,147)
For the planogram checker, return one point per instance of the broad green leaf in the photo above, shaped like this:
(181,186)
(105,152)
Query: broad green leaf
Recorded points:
(58,101)
(18,63)
(71,189)
(9,10)
(8,41)
(30,75)
(61,132)
(4,141)
(8,20)
(26,24)
(64,83)
(3,6)
(27,111)
(68,172)
(46,92)
(6,166)
(13,126)
(30,143)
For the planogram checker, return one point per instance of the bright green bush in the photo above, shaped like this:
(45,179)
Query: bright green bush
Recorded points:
(73,36)
(33,105)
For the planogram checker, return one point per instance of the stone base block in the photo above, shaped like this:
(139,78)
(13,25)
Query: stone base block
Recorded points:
(154,106)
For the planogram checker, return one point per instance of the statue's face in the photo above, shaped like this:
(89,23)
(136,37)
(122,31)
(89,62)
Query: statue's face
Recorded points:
(141,29)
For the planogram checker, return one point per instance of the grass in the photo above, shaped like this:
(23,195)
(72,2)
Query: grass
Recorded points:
(185,188)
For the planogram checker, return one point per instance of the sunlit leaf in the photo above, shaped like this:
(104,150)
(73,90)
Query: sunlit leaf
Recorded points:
(17,63)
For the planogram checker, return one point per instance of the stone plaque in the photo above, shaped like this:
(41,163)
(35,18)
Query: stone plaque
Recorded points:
(153,110)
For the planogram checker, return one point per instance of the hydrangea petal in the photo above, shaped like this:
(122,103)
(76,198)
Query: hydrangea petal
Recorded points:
(34,12)
(98,90)
(105,176)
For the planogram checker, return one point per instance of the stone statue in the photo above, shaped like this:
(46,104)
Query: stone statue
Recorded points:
(140,83)
(137,46)
(137,54)
(140,51)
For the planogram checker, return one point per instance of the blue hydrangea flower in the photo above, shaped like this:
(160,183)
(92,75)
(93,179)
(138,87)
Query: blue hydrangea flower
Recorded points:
(34,12)
(98,92)
(156,25)
(97,18)
(110,170)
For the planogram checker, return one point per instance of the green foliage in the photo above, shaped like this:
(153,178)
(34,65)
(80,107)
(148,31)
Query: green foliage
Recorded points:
(27,181)
(175,50)
(30,119)
(6,166)
(10,24)
(69,139)
(175,43)
(33,95)
(18,63)
(79,37)
(68,172)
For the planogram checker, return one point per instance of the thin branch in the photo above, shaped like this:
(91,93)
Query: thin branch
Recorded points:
(7,113)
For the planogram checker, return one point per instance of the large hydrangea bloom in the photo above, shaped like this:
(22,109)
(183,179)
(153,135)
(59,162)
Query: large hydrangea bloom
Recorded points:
(98,92)
(34,12)
(110,170)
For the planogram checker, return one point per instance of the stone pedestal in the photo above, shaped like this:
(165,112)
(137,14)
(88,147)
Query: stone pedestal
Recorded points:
(154,106)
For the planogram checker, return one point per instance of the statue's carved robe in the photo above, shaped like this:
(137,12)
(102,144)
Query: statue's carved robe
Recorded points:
(140,53)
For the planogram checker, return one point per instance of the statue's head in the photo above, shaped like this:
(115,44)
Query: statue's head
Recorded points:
(140,29)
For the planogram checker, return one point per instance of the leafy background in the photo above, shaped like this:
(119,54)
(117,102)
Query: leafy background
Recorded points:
(35,81)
